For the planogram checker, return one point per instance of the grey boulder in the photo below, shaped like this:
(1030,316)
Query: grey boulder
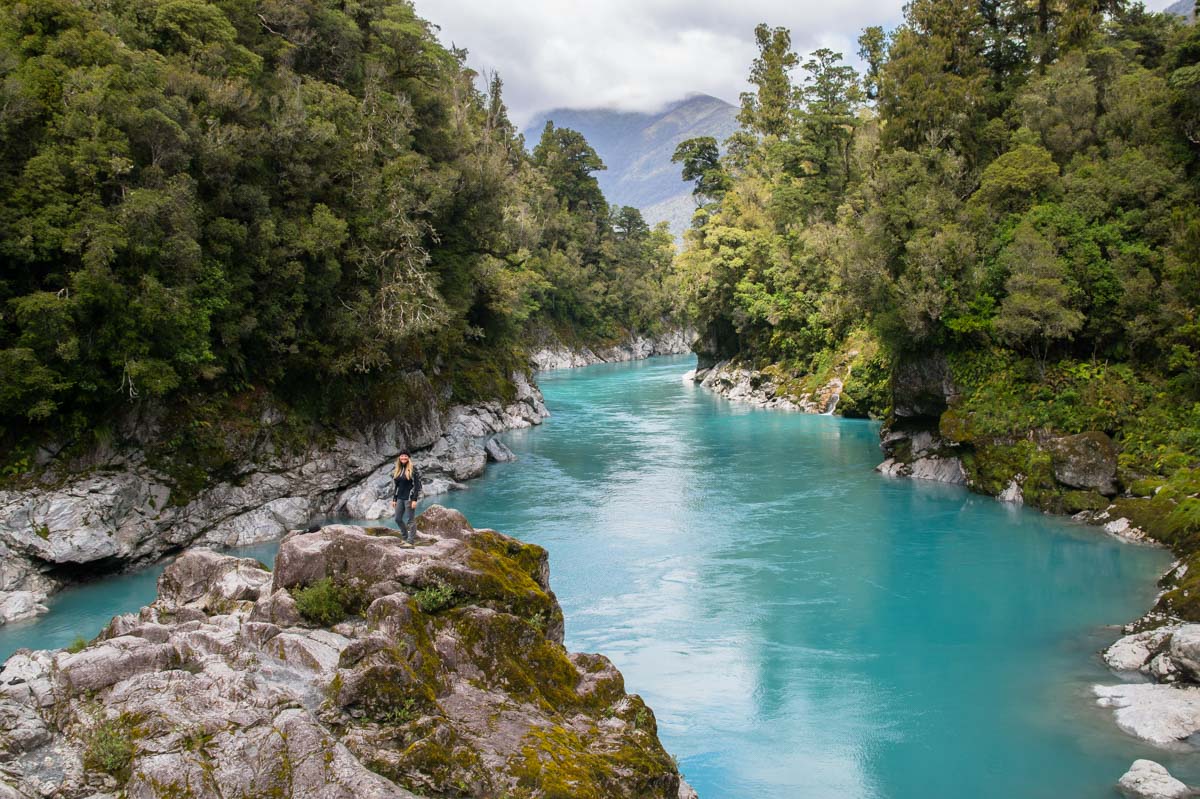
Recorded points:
(1086,461)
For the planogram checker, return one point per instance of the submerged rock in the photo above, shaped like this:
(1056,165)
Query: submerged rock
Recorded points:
(359,668)
(498,452)
(1149,780)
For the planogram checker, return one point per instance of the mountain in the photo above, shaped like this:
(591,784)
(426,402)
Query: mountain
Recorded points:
(637,148)
(1183,8)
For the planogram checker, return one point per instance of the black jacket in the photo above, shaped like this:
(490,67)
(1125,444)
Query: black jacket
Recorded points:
(405,490)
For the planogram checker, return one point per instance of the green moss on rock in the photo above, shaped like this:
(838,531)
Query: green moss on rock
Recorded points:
(559,763)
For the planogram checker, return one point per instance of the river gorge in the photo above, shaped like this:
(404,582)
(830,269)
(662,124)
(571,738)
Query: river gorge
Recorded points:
(802,626)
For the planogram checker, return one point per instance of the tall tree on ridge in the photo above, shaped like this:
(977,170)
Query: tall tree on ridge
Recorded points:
(767,110)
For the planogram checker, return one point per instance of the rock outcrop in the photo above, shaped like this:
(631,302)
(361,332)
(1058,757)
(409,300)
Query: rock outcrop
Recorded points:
(1087,461)
(1166,710)
(554,354)
(742,384)
(922,387)
(360,668)
(1149,780)
(921,455)
(123,513)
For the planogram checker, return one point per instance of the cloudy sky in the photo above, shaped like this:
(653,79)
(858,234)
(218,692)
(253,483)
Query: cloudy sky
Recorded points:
(639,54)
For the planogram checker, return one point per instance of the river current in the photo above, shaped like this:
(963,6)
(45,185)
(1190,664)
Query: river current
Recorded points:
(803,627)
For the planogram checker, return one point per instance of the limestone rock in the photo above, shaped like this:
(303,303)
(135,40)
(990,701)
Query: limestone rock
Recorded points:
(741,384)
(921,454)
(1166,715)
(203,579)
(554,354)
(452,681)
(498,452)
(940,469)
(1012,493)
(1184,650)
(1124,529)
(1134,652)
(1086,461)
(1149,780)
(18,605)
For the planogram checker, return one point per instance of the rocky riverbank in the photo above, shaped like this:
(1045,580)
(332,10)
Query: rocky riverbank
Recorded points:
(121,513)
(358,668)
(552,353)
(926,437)
(740,383)
(850,381)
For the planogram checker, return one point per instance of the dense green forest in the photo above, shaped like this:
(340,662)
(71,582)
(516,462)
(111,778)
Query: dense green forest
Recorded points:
(1010,186)
(203,204)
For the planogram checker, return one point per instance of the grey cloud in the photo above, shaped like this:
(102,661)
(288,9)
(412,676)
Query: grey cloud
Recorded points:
(635,55)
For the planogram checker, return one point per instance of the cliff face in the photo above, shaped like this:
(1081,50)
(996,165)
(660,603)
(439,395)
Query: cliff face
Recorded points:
(122,512)
(359,668)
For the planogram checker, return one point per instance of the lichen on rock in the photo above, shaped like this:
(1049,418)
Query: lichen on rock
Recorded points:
(221,687)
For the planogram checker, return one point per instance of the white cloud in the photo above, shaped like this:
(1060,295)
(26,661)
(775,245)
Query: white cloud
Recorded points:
(636,54)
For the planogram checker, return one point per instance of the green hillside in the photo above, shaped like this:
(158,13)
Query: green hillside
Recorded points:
(205,204)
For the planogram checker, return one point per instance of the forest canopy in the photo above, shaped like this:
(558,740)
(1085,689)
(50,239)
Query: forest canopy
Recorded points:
(1011,185)
(201,200)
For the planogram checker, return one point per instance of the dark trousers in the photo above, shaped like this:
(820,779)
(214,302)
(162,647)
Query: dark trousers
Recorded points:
(405,511)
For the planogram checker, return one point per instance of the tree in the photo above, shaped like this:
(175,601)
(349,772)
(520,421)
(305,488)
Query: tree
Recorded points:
(767,110)
(872,49)
(1036,312)
(628,224)
(568,162)
(701,161)
(827,122)
(933,88)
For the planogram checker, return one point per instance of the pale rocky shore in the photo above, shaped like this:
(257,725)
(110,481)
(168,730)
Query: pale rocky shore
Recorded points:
(1158,700)
(553,354)
(120,514)
(739,383)
(442,672)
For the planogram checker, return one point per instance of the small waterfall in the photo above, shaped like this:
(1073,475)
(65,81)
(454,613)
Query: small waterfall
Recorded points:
(833,405)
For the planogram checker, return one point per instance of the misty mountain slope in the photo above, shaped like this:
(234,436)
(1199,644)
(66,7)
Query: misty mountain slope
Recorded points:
(1183,8)
(637,148)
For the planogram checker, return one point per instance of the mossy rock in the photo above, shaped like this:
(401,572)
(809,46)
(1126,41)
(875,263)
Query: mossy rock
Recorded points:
(955,425)
(1076,501)
(559,763)
(1146,486)
(433,759)
(515,657)
(1182,598)
(992,466)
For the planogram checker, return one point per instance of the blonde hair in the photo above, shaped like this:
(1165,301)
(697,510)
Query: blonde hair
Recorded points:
(407,468)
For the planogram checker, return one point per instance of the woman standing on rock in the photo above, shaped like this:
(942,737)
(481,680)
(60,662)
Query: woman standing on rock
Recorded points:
(407,490)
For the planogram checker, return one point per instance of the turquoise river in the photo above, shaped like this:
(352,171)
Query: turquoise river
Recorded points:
(803,627)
